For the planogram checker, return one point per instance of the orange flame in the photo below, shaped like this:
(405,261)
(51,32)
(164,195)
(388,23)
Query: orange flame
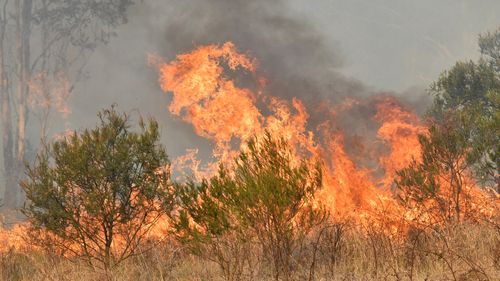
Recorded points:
(208,96)
(399,129)
(207,93)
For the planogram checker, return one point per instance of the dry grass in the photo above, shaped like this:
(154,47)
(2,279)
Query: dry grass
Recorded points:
(460,252)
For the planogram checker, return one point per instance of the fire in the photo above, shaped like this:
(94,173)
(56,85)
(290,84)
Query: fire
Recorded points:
(50,92)
(206,90)
(399,129)
(207,94)
(205,97)
(14,239)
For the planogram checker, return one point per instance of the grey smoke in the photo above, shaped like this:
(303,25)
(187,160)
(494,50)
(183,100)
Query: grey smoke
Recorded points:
(315,50)
(292,53)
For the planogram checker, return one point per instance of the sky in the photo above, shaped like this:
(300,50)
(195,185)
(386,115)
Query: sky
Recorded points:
(311,49)
(398,44)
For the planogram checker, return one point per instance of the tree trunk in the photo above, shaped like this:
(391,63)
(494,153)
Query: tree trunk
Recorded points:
(6,119)
(24,28)
(8,147)
(14,142)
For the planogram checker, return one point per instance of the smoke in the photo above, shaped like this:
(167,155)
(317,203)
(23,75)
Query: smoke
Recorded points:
(300,56)
(292,53)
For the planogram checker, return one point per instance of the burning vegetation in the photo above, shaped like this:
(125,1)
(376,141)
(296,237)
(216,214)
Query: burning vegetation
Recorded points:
(203,84)
(295,189)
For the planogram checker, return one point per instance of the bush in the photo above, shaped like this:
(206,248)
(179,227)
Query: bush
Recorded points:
(96,194)
(264,196)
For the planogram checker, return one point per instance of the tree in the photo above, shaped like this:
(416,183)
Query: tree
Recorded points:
(43,49)
(462,145)
(97,194)
(264,195)
(489,45)
(437,187)
(471,92)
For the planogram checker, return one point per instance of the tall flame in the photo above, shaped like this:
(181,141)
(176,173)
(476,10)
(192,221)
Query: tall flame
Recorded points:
(206,92)
(206,96)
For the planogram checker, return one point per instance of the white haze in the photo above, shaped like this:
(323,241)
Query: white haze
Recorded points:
(363,46)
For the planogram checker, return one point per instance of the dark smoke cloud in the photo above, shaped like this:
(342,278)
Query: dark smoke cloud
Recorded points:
(302,46)
(293,55)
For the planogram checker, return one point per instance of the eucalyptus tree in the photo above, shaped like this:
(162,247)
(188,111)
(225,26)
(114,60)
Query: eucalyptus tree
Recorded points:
(44,46)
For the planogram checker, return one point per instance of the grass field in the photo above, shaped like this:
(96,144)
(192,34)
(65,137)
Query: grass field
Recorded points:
(344,252)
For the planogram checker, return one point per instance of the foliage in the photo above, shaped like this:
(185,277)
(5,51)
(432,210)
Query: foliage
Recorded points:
(438,183)
(97,193)
(79,20)
(462,145)
(264,196)
(44,49)
(471,92)
(489,45)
